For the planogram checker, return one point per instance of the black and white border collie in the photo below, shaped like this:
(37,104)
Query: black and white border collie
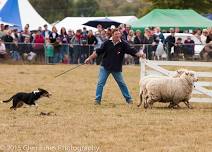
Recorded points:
(28,98)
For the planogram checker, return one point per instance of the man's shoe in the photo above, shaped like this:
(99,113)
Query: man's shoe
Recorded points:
(130,101)
(97,102)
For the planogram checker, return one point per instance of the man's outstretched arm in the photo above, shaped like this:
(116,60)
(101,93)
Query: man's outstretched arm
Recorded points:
(90,58)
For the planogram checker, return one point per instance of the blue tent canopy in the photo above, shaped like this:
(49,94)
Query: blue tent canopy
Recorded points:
(20,13)
(12,17)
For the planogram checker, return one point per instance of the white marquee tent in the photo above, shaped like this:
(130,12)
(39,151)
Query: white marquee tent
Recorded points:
(75,23)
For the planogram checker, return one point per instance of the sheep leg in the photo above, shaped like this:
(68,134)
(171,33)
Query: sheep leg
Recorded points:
(151,104)
(146,105)
(146,102)
(172,105)
(188,104)
(140,102)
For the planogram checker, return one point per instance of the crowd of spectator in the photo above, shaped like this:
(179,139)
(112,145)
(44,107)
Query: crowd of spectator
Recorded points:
(67,46)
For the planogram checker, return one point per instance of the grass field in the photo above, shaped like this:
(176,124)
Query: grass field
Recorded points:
(76,124)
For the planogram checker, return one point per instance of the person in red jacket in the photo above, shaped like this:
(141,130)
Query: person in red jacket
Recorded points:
(39,47)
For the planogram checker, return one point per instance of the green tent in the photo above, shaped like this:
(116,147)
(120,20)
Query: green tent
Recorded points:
(167,18)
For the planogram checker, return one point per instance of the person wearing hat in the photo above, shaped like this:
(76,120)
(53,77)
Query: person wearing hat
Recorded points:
(113,51)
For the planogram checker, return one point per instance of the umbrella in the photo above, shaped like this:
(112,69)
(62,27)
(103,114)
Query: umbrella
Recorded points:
(105,22)
(209,16)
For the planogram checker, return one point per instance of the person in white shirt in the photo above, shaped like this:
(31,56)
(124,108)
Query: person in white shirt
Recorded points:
(3,52)
(203,36)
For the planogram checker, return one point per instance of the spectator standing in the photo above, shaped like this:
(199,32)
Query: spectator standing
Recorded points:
(25,33)
(158,36)
(126,31)
(40,29)
(57,51)
(49,51)
(15,50)
(138,41)
(65,43)
(178,48)
(8,39)
(70,36)
(39,47)
(53,35)
(46,32)
(204,35)
(177,30)
(1,30)
(3,52)
(103,35)
(209,37)
(169,43)
(189,47)
(92,41)
(76,42)
(198,33)
(99,28)
(148,41)
(101,38)
(25,48)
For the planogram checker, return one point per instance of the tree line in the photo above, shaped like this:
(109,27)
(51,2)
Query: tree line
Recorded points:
(53,10)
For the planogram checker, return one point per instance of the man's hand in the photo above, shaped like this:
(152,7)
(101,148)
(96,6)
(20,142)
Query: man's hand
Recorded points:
(140,55)
(88,60)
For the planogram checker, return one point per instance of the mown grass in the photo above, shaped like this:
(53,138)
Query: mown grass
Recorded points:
(76,121)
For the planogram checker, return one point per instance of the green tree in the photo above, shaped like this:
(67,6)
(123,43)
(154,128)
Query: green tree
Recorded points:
(53,10)
(201,6)
(85,8)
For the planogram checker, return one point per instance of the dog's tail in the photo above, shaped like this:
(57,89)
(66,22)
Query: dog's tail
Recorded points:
(8,99)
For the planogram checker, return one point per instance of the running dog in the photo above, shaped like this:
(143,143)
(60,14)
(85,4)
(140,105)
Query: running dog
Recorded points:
(28,98)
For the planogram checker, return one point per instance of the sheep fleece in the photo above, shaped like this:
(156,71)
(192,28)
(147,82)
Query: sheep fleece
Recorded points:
(169,89)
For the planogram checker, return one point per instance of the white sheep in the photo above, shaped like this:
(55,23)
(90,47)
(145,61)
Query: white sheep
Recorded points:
(146,79)
(174,90)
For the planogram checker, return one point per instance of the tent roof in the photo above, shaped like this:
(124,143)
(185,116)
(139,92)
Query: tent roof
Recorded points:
(166,18)
(20,13)
(76,23)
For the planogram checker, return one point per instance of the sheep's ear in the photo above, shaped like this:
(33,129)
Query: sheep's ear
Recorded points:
(187,73)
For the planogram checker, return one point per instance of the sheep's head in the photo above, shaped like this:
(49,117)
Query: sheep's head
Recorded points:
(191,75)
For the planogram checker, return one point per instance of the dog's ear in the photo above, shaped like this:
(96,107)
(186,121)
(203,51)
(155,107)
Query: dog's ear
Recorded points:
(40,89)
